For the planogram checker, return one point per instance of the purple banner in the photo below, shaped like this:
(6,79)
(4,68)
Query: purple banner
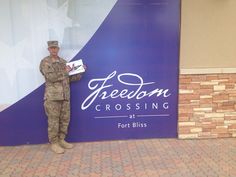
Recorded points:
(130,89)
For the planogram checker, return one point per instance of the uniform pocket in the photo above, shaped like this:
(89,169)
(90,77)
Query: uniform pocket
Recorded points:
(55,91)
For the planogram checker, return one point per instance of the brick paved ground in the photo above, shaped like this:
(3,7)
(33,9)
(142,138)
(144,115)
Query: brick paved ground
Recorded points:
(133,158)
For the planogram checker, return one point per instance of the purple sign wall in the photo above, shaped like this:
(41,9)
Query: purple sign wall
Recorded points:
(130,89)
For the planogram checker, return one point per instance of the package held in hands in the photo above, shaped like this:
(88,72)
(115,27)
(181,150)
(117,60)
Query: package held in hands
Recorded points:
(77,67)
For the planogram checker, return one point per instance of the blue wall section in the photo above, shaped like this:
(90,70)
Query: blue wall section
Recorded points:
(138,47)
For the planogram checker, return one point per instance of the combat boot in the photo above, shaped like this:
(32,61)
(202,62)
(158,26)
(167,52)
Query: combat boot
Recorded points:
(55,147)
(65,144)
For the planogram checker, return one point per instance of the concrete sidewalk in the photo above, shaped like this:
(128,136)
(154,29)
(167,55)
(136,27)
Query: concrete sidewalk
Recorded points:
(131,158)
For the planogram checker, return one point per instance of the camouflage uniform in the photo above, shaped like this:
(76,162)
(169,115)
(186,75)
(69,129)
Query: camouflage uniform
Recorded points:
(57,97)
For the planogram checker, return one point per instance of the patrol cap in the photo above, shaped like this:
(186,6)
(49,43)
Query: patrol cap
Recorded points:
(53,44)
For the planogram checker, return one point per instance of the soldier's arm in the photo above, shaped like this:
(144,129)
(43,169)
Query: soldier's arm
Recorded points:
(75,77)
(50,74)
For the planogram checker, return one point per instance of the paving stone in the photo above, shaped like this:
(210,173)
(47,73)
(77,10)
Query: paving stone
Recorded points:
(131,158)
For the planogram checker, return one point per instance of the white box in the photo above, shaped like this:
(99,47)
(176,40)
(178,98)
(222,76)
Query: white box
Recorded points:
(77,67)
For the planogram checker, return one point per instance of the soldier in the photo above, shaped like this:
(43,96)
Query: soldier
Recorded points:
(57,97)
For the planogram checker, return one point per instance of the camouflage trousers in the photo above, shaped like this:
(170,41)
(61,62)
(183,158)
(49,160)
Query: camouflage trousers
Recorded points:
(58,113)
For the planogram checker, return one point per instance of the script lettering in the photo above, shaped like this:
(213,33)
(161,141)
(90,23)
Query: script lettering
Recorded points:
(132,90)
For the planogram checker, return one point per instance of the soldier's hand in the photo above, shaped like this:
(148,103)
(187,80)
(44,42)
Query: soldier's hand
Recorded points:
(68,68)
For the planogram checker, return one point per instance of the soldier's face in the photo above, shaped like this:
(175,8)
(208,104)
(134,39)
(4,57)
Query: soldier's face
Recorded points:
(53,51)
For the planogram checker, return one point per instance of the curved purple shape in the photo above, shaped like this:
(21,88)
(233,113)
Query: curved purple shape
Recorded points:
(138,36)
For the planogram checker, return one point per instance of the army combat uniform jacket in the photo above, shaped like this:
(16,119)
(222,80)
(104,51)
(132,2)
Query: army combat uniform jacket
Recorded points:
(57,80)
